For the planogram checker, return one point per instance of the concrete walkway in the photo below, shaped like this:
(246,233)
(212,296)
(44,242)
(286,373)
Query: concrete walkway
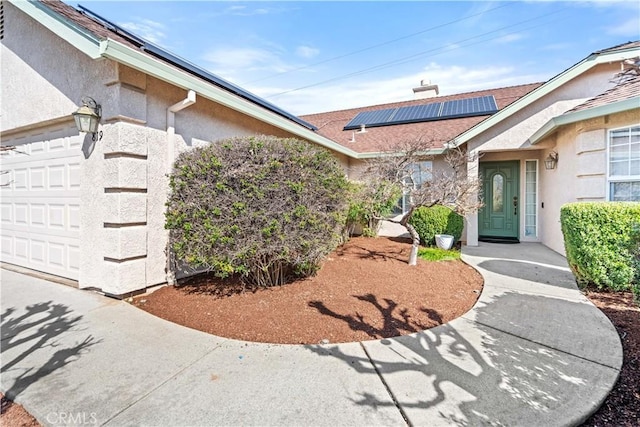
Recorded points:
(532,352)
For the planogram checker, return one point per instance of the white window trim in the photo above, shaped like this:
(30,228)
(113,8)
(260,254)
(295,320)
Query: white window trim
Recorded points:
(609,180)
(537,204)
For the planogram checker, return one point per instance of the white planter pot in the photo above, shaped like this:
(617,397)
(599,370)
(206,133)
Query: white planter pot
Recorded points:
(444,241)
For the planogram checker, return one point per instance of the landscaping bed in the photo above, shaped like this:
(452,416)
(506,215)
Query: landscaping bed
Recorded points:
(365,290)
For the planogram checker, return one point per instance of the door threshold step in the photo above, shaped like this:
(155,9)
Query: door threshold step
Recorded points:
(492,239)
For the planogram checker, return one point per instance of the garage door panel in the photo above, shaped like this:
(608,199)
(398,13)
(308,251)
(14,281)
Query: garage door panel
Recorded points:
(40,209)
(21,248)
(21,211)
(6,213)
(37,215)
(37,252)
(37,178)
(73,178)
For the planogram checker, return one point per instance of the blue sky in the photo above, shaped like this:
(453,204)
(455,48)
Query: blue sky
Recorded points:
(308,57)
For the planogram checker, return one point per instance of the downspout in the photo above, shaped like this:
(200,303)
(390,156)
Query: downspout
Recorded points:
(171,157)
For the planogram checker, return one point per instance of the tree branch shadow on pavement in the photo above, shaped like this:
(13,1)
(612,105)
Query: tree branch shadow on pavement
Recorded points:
(395,321)
(488,377)
(40,328)
(560,277)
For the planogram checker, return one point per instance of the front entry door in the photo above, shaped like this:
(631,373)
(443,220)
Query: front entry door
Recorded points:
(499,218)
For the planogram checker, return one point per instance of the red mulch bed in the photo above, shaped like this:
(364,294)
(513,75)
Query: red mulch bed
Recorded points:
(365,290)
(622,406)
(14,415)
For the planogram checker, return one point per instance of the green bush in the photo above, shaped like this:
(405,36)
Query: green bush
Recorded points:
(635,253)
(436,220)
(600,244)
(263,207)
(369,203)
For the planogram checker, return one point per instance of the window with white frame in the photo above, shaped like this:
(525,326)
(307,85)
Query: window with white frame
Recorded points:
(531,198)
(420,172)
(624,164)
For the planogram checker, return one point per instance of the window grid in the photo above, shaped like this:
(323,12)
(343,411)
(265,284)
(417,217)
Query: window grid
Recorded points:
(624,164)
(531,199)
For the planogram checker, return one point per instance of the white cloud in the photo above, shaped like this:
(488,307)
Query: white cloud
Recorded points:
(240,10)
(509,38)
(628,28)
(358,93)
(307,52)
(234,63)
(147,29)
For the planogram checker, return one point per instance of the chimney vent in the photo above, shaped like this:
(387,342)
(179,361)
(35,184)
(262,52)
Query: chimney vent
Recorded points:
(426,90)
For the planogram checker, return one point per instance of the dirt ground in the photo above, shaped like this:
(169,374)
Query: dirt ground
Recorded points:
(376,296)
(622,406)
(365,290)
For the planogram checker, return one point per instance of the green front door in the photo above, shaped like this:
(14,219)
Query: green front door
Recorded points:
(499,216)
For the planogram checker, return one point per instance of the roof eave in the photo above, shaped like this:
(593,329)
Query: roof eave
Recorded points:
(557,81)
(376,154)
(577,116)
(118,52)
(77,36)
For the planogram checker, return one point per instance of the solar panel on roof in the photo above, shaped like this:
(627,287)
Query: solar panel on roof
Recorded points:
(370,118)
(417,112)
(194,69)
(469,107)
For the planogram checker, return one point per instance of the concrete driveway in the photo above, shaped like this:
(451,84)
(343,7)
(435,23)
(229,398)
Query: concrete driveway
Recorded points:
(533,351)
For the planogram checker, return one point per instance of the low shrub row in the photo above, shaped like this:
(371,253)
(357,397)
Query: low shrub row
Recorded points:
(436,220)
(602,242)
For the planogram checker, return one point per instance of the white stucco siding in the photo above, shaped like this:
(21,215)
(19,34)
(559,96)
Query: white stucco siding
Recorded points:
(515,131)
(40,192)
(44,77)
(581,174)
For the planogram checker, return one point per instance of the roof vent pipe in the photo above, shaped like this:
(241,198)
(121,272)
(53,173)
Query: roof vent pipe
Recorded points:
(363,128)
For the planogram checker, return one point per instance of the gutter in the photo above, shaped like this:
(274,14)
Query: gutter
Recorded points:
(171,130)
(552,125)
(171,155)
(123,54)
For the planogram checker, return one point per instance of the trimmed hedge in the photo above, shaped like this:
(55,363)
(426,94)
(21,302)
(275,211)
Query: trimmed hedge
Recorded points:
(602,243)
(436,220)
(262,207)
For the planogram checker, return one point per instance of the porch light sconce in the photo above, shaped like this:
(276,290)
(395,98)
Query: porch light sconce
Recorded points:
(551,161)
(88,117)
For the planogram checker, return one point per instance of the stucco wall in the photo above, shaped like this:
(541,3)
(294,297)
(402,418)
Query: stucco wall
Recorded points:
(581,171)
(511,138)
(123,175)
(40,73)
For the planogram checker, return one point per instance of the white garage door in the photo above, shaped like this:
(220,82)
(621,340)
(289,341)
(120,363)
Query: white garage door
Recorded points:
(40,205)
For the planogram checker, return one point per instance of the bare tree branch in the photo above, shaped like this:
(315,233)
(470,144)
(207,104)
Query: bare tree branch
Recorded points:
(450,186)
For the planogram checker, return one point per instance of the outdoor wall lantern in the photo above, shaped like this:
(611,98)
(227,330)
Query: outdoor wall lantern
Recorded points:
(88,117)
(551,161)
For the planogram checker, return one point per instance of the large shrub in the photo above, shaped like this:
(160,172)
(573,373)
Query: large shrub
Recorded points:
(599,243)
(263,207)
(436,220)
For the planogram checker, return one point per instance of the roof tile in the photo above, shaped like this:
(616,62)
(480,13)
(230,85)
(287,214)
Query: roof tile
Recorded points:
(385,138)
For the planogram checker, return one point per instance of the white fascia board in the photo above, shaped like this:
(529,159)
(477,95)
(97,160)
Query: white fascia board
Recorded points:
(578,116)
(546,88)
(77,36)
(376,154)
(130,57)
